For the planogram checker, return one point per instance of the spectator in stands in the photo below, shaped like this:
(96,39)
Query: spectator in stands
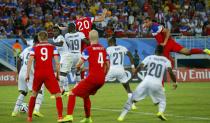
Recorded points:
(17,48)
(207,27)
(2,34)
(198,30)
(159,16)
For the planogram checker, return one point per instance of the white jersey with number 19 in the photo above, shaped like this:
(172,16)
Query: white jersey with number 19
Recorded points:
(73,41)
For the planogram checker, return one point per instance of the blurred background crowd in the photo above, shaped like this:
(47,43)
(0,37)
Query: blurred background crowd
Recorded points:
(124,17)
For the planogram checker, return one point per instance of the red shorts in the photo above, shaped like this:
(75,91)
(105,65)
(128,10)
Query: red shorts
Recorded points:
(88,86)
(49,81)
(171,46)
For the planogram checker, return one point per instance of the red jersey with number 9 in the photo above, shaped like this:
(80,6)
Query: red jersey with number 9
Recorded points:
(96,56)
(43,55)
(84,24)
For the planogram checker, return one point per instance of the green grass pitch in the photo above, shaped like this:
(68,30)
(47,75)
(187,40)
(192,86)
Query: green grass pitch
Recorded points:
(190,103)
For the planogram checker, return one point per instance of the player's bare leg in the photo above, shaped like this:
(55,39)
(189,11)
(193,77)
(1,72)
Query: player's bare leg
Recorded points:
(39,100)
(31,105)
(128,90)
(19,101)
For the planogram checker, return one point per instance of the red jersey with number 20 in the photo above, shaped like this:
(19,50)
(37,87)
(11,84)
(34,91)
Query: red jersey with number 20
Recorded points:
(84,24)
(96,56)
(43,55)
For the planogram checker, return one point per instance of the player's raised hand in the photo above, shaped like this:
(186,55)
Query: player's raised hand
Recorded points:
(175,85)
(27,78)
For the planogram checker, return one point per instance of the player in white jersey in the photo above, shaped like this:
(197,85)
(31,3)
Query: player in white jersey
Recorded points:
(74,40)
(117,55)
(152,84)
(65,59)
(24,87)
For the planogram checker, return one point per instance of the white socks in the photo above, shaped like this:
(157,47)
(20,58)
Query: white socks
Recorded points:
(64,85)
(19,101)
(39,100)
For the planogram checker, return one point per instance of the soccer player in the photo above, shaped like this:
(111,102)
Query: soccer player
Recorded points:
(42,54)
(96,55)
(117,54)
(162,36)
(74,40)
(65,59)
(84,24)
(152,83)
(22,86)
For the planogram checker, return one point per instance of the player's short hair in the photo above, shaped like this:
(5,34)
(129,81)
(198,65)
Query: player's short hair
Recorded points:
(159,49)
(57,28)
(93,35)
(36,40)
(42,36)
(112,39)
(72,26)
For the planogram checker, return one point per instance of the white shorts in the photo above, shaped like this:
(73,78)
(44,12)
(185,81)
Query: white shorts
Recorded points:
(75,58)
(117,73)
(65,62)
(145,88)
(23,85)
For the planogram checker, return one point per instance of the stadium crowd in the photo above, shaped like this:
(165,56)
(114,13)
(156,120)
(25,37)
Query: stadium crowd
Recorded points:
(124,18)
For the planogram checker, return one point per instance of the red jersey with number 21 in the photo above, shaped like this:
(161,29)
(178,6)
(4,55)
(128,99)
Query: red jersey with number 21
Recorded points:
(84,24)
(43,54)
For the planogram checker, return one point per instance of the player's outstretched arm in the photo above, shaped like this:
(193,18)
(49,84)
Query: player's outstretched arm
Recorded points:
(57,64)
(131,61)
(140,66)
(18,64)
(58,43)
(167,35)
(86,41)
(30,61)
(102,17)
(22,38)
(173,77)
(79,64)
(107,66)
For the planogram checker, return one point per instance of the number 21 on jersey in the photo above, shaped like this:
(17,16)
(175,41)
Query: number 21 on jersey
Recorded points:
(44,53)
(100,59)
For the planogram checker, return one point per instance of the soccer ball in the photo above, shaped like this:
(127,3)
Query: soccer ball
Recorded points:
(23,108)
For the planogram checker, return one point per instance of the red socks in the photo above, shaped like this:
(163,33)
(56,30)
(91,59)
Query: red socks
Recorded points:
(31,106)
(59,106)
(71,104)
(87,106)
(196,51)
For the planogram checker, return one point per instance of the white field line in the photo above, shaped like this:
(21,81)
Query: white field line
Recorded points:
(134,112)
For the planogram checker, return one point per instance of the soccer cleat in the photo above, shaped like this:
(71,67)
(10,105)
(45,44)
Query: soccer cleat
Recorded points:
(52,97)
(38,114)
(207,51)
(86,120)
(133,107)
(29,119)
(67,118)
(120,119)
(161,116)
(60,120)
(14,114)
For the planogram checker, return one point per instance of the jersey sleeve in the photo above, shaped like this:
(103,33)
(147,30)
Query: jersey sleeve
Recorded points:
(125,50)
(85,55)
(30,42)
(22,54)
(32,52)
(146,60)
(82,35)
(55,52)
(156,28)
(92,19)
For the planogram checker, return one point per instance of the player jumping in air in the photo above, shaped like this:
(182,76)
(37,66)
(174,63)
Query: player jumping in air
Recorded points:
(23,87)
(163,37)
(152,83)
(96,55)
(117,55)
(42,54)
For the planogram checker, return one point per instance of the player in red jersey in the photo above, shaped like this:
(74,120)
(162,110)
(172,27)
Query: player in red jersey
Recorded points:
(162,36)
(43,54)
(96,55)
(84,24)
